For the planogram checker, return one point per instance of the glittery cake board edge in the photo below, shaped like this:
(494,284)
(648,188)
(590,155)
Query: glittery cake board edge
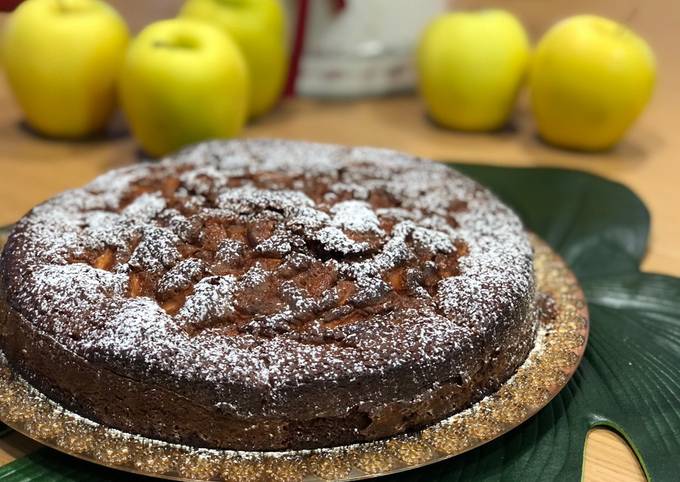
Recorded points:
(559,348)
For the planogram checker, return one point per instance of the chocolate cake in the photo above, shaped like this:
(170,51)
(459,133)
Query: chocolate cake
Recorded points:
(268,295)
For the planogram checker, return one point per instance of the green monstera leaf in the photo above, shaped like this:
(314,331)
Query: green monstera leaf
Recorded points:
(629,379)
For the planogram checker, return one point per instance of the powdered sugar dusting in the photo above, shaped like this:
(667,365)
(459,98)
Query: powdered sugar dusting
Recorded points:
(356,216)
(271,263)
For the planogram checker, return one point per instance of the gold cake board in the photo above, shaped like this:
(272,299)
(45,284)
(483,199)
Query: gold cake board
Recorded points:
(560,344)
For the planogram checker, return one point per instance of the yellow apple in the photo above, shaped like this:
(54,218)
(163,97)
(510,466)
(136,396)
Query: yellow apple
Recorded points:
(471,65)
(590,78)
(259,29)
(183,81)
(62,58)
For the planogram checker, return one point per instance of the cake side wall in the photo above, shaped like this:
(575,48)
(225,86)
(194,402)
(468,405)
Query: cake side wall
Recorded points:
(144,408)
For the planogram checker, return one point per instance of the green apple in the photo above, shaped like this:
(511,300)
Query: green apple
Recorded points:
(471,66)
(259,29)
(590,79)
(183,81)
(62,58)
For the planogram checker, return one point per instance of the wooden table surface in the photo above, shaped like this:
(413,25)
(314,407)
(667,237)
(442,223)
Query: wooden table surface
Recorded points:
(648,160)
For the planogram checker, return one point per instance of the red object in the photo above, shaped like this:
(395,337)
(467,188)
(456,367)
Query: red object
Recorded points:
(9,5)
(299,40)
(339,5)
(298,46)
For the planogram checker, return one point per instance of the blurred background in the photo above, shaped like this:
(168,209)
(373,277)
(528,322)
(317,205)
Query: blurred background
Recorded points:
(354,83)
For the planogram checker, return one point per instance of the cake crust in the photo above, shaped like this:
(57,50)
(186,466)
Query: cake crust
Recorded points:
(268,295)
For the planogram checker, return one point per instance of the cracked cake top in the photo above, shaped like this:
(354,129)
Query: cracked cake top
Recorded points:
(269,263)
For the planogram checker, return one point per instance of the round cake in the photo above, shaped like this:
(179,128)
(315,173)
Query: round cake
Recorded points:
(269,295)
